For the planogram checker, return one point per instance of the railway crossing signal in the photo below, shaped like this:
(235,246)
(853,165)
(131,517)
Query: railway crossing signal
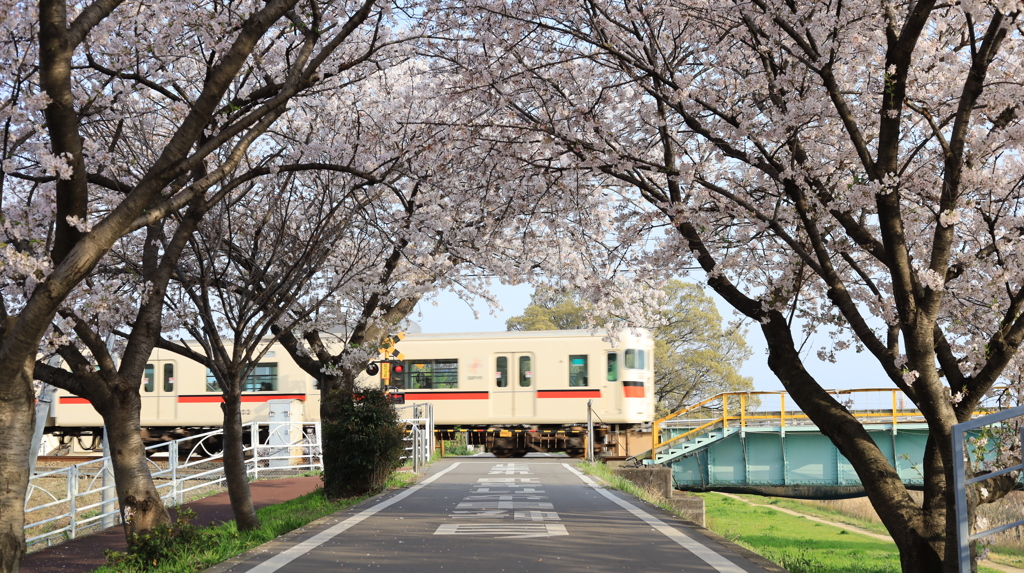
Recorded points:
(390,361)
(388,347)
(385,368)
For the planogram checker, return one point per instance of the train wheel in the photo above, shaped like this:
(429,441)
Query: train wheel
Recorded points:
(575,452)
(518,453)
(503,453)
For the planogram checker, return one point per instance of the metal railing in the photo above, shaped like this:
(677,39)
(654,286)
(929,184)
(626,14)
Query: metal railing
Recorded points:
(751,409)
(961,466)
(65,503)
(75,500)
(419,421)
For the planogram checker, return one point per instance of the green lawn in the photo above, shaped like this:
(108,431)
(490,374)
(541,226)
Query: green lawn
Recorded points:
(798,544)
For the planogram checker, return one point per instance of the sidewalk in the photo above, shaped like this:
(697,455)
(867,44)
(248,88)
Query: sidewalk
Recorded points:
(86,553)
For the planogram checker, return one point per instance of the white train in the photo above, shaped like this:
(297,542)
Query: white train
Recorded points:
(532,378)
(538,380)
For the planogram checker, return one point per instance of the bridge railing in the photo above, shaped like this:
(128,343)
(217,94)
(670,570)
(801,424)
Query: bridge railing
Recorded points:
(778,409)
(754,409)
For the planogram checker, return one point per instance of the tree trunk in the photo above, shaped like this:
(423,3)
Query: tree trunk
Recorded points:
(17,410)
(330,388)
(142,510)
(919,535)
(234,465)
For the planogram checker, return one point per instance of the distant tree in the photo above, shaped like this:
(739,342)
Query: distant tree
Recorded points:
(552,310)
(694,356)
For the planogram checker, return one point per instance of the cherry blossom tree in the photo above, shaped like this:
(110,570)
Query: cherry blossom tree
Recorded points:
(263,258)
(116,116)
(849,168)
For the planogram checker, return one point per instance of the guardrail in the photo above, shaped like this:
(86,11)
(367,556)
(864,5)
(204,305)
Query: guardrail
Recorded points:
(68,502)
(753,409)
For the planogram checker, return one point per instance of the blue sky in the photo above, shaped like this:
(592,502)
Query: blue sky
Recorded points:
(852,370)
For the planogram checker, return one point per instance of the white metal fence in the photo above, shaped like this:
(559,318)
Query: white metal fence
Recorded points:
(419,419)
(964,475)
(71,501)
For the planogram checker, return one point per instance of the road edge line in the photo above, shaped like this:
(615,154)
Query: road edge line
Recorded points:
(303,547)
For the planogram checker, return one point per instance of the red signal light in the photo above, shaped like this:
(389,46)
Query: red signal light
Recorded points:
(397,368)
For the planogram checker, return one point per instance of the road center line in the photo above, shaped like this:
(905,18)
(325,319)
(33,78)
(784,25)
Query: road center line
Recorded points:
(298,550)
(709,555)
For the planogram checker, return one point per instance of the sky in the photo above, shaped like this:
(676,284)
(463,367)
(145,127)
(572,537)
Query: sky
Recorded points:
(447,313)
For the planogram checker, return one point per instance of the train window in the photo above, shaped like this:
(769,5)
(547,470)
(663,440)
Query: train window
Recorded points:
(613,366)
(525,372)
(263,378)
(149,378)
(211,382)
(578,370)
(501,366)
(442,373)
(635,359)
(169,377)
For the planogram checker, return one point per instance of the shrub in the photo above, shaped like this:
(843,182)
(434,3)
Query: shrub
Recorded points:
(164,543)
(363,442)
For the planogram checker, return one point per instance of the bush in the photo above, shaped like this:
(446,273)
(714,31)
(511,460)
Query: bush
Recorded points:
(457,446)
(165,543)
(363,442)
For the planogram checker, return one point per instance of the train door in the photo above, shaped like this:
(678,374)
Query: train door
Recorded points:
(611,394)
(159,391)
(513,389)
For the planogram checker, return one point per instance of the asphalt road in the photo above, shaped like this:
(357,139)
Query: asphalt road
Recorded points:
(474,514)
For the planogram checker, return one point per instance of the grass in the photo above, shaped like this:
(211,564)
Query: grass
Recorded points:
(795,543)
(1006,548)
(822,510)
(204,547)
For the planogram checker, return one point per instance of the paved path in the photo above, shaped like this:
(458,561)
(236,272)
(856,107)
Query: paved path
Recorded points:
(469,515)
(86,553)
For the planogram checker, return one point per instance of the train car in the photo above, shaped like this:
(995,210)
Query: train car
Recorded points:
(519,392)
(498,384)
(180,397)
(531,378)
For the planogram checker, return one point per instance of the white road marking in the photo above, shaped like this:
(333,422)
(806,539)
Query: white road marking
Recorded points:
(503,530)
(709,556)
(505,505)
(298,550)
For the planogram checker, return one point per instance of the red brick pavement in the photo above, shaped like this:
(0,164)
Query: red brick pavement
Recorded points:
(86,553)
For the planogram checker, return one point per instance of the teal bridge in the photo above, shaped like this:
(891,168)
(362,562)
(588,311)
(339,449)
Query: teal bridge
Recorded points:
(761,442)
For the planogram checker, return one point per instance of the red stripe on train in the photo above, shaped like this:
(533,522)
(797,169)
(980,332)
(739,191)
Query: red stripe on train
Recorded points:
(203,399)
(633,391)
(245,398)
(569,394)
(445,395)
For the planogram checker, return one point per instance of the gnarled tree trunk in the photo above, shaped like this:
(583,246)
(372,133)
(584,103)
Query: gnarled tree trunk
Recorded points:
(17,410)
(142,510)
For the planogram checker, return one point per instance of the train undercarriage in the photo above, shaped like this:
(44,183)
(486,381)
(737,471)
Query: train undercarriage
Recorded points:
(517,441)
